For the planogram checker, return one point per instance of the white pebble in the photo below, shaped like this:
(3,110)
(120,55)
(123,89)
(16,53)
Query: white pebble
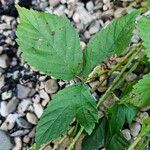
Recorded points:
(31,118)
(126,133)
(6,95)
(4,61)
(135,129)
(38,109)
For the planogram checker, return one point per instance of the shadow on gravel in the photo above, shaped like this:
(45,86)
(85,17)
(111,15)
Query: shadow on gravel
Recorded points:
(7,7)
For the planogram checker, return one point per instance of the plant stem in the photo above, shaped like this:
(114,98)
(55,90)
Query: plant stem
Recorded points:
(75,139)
(109,90)
(134,143)
(132,51)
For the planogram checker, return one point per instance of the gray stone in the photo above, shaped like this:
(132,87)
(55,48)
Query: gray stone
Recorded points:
(54,3)
(126,133)
(4,61)
(51,86)
(94,27)
(5,142)
(11,106)
(135,129)
(19,133)
(23,123)
(120,12)
(22,91)
(131,77)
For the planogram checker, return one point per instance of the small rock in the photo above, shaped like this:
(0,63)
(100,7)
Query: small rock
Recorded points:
(2,82)
(90,6)
(9,123)
(22,91)
(51,86)
(44,95)
(135,129)
(6,95)
(4,61)
(23,123)
(94,84)
(85,16)
(3,109)
(87,34)
(43,5)
(54,3)
(60,10)
(23,106)
(120,12)
(131,77)
(38,109)
(126,133)
(94,27)
(36,99)
(5,142)
(18,144)
(31,118)
(26,139)
(12,104)
(76,18)
(19,133)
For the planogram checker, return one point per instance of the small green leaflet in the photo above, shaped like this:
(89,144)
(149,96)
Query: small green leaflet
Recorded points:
(113,39)
(120,113)
(144,32)
(74,101)
(96,139)
(49,43)
(117,142)
(142,92)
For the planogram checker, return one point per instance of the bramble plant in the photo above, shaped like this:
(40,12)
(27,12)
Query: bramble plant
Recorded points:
(51,45)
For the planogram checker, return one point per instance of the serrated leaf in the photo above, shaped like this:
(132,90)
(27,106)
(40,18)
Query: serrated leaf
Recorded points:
(113,39)
(120,114)
(144,33)
(117,142)
(74,101)
(49,43)
(96,139)
(142,92)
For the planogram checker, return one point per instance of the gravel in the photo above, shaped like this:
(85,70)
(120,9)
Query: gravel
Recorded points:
(24,92)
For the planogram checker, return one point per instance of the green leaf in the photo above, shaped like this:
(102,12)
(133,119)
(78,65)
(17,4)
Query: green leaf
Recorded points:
(96,139)
(144,33)
(113,39)
(117,142)
(119,115)
(49,43)
(75,101)
(142,92)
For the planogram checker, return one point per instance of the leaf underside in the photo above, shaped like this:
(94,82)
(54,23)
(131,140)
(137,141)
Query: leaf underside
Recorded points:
(49,43)
(113,39)
(75,101)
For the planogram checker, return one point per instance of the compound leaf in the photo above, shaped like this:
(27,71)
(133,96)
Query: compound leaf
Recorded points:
(144,32)
(49,43)
(74,101)
(109,41)
(142,92)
